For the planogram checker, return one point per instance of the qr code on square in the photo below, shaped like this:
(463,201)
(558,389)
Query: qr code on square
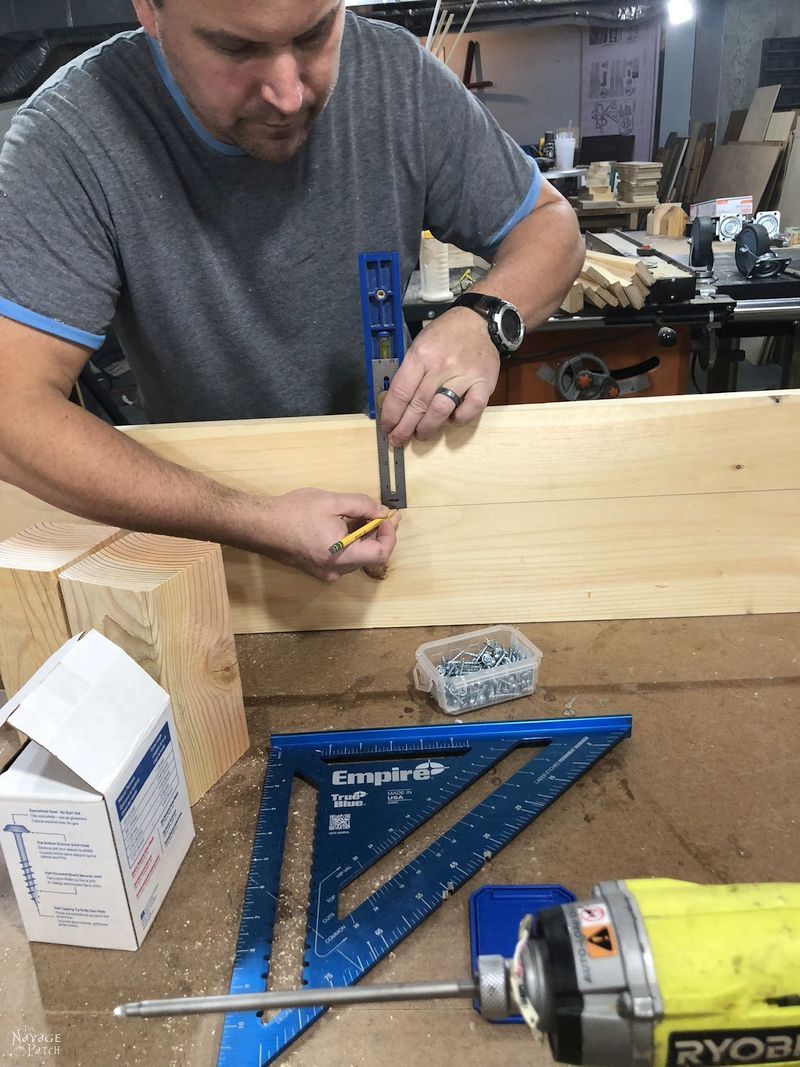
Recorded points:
(339,822)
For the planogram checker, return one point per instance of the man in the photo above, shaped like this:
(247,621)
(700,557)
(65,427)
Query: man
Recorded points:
(204,186)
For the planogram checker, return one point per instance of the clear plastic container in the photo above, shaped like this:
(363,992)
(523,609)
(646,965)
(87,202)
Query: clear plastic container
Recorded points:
(482,684)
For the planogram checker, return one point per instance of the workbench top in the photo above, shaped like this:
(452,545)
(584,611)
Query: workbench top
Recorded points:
(705,790)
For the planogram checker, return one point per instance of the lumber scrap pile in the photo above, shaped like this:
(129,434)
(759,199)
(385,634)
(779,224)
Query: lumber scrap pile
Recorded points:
(609,281)
(759,156)
(638,182)
(598,181)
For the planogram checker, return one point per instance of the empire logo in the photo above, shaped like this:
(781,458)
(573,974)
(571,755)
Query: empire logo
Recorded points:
(423,772)
(725,1048)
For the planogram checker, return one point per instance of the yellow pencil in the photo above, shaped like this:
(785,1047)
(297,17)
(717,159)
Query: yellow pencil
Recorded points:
(356,534)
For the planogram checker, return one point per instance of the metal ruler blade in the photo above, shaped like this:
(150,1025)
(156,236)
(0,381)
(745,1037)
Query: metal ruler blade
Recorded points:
(382,322)
(374,788)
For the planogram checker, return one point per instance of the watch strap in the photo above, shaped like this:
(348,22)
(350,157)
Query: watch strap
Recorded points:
(480,302)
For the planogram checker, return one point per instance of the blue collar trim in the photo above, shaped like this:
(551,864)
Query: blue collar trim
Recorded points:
(186,111)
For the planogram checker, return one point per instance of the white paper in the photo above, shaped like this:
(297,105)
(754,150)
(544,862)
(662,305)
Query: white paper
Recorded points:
(618,91)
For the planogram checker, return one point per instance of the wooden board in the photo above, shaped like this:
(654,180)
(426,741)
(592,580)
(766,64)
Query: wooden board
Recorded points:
(789,202)
(682,179)
(164,601)
(648,483)
(33,620)
(738,169)
(780,126)
(672,164)
(759,113)
(734,128)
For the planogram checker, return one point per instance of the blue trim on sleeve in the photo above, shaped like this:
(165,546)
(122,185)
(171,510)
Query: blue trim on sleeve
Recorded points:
(524,209)
(186,111)
(53,326)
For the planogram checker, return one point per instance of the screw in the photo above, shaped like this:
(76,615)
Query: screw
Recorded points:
(466,697)
(27,871)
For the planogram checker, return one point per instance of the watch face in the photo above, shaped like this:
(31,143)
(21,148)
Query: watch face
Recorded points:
(511,326)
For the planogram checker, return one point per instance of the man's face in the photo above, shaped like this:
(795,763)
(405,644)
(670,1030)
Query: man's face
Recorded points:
(256,73)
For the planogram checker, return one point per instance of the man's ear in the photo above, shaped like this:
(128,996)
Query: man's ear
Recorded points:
(146,13)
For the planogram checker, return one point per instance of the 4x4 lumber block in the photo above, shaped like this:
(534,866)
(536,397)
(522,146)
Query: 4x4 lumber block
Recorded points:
(163,600)
(33,619)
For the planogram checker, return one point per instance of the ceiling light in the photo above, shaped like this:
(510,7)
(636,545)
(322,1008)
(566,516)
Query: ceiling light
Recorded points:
(680,11)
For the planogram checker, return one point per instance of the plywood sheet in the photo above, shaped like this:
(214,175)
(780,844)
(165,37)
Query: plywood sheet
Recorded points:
(551,511)
(789,203)
(759,113)
(734,127)
(780,126)
(738,169)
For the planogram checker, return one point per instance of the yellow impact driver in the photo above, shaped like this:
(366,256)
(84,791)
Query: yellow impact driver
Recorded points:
(659,973)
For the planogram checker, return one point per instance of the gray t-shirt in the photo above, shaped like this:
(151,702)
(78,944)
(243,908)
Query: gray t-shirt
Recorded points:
(232,283)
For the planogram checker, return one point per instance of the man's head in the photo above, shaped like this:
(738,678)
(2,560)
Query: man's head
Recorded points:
(256,73)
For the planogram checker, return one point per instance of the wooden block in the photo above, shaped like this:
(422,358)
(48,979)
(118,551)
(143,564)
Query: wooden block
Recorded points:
(573,301)
(592,273)
(623,265)
(33,619)
(600,292)
(675,222)
(592,295)
(634,294)
(654,219)
(163,600)
(601,273)
(667,220)
(618,289)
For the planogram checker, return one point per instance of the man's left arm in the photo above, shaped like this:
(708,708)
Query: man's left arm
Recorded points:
(533,268)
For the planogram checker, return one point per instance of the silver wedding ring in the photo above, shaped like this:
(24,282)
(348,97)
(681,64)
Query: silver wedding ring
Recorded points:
(457,400)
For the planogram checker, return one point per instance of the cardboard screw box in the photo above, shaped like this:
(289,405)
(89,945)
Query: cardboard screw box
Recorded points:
(94,812)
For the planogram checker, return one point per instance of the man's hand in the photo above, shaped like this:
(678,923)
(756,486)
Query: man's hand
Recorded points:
(455,351)
(300,527)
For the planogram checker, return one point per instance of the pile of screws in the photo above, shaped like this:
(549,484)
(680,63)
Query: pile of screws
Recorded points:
(463,695)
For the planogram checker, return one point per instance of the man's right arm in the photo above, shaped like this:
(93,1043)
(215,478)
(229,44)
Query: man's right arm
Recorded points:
(60,453)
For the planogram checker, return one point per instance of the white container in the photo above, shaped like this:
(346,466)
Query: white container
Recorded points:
(468,692)
(565,151)
(434,268)
(94,812)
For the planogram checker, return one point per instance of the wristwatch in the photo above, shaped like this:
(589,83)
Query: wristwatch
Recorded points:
(506,327)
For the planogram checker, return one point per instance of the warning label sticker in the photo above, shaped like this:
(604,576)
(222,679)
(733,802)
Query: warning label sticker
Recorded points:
(601,941)
(593,913)
(598,931)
